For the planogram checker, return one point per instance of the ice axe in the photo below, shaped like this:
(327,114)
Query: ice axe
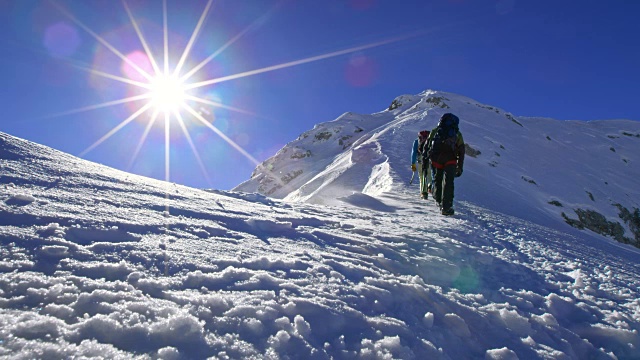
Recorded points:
(412,176)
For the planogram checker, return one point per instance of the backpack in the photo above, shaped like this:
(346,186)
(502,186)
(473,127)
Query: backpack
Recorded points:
(423,136)
(442,148)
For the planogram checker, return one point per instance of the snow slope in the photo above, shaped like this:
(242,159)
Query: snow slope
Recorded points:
(99,263)
(532,168)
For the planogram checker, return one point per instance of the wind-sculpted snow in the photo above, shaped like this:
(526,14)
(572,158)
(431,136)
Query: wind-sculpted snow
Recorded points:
(97,263)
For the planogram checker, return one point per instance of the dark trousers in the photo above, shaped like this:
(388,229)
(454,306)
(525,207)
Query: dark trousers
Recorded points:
(443,185)
(425,176)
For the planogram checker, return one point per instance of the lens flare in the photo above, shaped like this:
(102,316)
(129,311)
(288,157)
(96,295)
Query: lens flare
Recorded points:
(61,39)
(141,61)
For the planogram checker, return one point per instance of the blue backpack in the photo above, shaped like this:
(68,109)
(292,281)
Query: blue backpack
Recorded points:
(443,145)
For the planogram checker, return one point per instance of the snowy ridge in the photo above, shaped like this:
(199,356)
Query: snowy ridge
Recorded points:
(547,171)
(99,263)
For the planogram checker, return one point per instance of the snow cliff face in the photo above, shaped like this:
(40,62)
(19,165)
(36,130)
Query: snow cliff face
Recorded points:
(553,172)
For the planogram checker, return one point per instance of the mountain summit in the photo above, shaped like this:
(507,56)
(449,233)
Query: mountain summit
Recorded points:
(548,171)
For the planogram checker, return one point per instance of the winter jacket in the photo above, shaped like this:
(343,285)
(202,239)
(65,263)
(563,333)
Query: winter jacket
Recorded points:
(414,151)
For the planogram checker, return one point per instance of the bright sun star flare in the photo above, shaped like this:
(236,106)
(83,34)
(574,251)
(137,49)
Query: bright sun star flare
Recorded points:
(167,93)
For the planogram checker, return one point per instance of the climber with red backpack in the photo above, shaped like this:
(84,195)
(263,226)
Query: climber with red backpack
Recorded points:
(445,150)
(423,166)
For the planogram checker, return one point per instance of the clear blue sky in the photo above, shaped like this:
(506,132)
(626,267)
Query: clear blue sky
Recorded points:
(562,59)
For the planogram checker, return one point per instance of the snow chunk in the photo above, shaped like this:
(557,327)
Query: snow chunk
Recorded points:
(280,339)
(546,320)
(54,250)
(386,348)
(168,353)
(63,312)
(500,354)
(269,225)
(53,229)
(178,328)
(566,308)
(255,326)
(301,326)
(20,199)
(107,270)
(32,327)
(515,322)
(428,320)
(457,325)
(135,276)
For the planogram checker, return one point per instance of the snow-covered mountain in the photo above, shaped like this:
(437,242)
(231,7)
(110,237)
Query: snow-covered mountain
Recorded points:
(99,263)
(547,171)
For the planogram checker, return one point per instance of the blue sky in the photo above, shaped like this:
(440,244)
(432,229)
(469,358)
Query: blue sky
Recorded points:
(562,59)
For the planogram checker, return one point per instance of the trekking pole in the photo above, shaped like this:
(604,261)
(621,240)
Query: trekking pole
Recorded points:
(412,176)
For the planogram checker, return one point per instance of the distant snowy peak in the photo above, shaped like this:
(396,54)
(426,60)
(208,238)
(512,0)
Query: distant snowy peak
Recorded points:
(310,153)
(547,171)
(319,150)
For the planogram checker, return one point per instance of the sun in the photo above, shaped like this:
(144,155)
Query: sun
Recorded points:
(167,93)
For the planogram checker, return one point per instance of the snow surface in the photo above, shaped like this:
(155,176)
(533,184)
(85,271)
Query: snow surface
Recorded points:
(99,263)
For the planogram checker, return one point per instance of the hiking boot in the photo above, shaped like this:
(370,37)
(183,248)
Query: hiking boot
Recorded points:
(448,211)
